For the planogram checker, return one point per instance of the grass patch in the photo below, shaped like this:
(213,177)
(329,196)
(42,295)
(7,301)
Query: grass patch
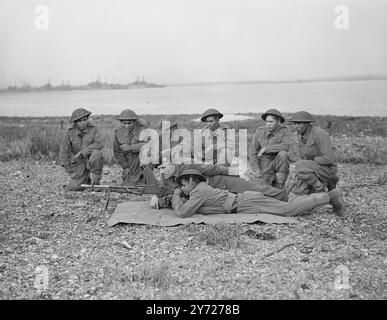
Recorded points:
(355,139)
(158,275)
(42,142)
(361,150)
(222,235)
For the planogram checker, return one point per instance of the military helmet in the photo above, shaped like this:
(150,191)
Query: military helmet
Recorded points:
(210,112)
(190,172)
(79,114)
(273,112)
(128,114)
(173,124)
(302,116)
(142,122)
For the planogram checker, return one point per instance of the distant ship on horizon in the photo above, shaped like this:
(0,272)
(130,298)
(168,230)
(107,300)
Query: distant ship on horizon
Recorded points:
(143,84)
(93,85)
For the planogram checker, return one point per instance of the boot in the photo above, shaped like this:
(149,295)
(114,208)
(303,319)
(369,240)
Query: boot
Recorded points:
(318,186)
(74,185)
(332,183)
(337,201)
(281,180)
(95,178)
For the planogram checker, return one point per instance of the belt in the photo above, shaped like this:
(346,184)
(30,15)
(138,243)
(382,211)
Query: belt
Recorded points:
(234,205)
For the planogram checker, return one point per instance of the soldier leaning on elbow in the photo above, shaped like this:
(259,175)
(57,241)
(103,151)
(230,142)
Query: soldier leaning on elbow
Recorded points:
(224,178)
(204,199)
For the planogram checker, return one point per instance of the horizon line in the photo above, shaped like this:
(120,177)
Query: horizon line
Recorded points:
(357,77)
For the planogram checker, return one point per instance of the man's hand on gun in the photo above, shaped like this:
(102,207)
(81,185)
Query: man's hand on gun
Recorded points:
(181,194)
(82,153)
(79,154)
(177,192)
(261,152)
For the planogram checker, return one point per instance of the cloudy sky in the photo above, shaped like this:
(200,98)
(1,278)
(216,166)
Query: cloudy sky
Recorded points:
(180,41)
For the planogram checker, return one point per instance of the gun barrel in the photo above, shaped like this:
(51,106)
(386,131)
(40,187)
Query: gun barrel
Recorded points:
(146,189)
(105,186)
(118,189)
(139,190)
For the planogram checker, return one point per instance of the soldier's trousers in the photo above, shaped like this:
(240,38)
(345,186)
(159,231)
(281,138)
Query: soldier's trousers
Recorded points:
(132,174)
(238,185)
(308,172)
(82,167)
(255,202)
(269,166)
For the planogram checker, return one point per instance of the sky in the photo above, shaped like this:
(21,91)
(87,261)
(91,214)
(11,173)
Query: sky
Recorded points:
(185,41)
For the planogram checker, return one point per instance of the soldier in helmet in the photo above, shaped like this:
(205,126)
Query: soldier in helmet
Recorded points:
(207,200)
(269,149)
(126,146)
(80,151)
(218,152)
(225,178)
(316,169)
(167,154)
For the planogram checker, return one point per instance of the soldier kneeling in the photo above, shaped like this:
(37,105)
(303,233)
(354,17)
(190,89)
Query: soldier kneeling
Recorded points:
(80,151)
(316,170)
(127,146)
(269,149)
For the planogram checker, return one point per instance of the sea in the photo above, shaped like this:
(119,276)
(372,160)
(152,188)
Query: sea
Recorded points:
(349,98)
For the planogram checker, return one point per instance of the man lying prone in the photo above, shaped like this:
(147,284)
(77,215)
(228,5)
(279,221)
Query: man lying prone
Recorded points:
(220,177)
(205,199)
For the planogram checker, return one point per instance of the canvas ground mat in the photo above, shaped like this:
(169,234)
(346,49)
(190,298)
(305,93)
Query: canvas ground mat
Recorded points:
(140,212)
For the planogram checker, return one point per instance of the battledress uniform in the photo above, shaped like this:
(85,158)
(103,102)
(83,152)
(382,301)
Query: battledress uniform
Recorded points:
(275,159)
(204,199)
(317,161)
(218,177)
(88,141)
(130,160)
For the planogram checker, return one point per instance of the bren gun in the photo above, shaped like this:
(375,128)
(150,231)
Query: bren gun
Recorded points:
(153,187)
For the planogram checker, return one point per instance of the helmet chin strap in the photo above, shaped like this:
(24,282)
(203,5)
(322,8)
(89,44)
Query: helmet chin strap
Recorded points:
(306,127)
(80,127)
(215,125)
(191,182)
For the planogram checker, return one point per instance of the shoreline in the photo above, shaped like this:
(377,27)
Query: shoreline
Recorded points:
(253,116)
(117,86)
(356,139)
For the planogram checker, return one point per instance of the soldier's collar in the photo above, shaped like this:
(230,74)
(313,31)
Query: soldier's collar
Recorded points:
(131,130)
(78,132)
(197,186)
(219,126)
(268,133)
